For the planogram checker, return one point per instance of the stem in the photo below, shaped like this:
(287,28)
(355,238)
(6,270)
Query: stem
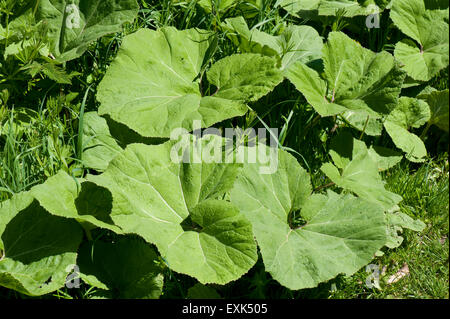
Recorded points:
(81,124)
(324,186)
(425,131)
(88,234)
(365,126)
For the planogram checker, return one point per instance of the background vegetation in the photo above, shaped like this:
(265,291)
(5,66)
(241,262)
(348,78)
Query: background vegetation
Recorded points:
(41,112)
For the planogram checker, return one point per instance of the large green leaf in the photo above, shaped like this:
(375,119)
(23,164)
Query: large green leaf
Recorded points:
(39,249)
(294,7)
(385,158)
(126,268)
(430,29)
(246,7)
(217,5)
(410,113)
(341,233)
(153,85)
(354,78)
(244,77)
(74,24)
(361,176)
(363,122)
(350,8)
(253,41)
(408,142)
(99,147)
(439,105)
(397,222)
(178,207)
(295,43)
(104,138)
(344,147)
(80,200)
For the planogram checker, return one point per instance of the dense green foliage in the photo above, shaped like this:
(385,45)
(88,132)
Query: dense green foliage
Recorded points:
(91,93)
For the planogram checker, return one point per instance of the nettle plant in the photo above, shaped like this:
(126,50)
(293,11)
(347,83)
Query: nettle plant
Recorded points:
(208,219)
(37,37)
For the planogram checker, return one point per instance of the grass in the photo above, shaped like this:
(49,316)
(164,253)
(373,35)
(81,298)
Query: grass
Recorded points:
(425,193)
(49,141)
(35,145)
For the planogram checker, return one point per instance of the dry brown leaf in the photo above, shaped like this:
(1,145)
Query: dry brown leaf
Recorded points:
(404,271)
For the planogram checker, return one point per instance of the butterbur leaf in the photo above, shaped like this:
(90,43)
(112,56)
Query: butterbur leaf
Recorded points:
(295,43)
(249,41)
(244,77)
(344,147)
(216,6)
(398,221)
(350,8)
(385,158)
(408,142)
(337,233)
(35,261)
(247,7)
(439,105)
(80,200)
(294,7)
(222,250)
(124,136)
(361,177)
(178,207)
(405,221)
(153,84)
(354,79)
(308,81)
(103,139)
(74,24)
(363,122)
(410,113)
(430,29)
(355,73)
(99,147)
(126,268)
